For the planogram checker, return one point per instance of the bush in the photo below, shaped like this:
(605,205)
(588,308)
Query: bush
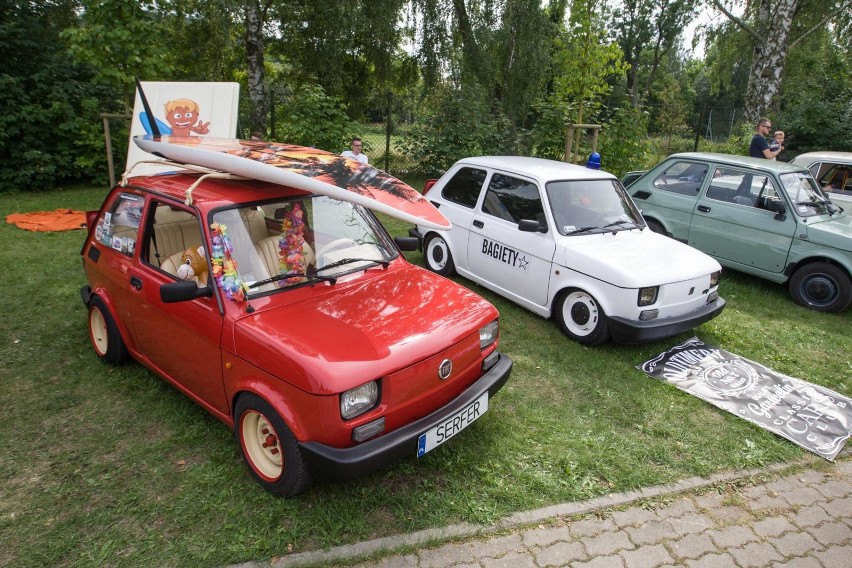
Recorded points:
(455,124)
(312,118)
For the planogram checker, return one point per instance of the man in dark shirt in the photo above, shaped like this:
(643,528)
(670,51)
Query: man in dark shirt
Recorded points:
(759,147)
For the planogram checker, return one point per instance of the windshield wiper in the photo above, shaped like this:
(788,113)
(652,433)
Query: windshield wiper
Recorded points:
(342,261)
(581,230)
(287,276)
(620,222)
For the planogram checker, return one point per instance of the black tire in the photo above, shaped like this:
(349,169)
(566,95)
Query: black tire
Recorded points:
(581,318)
(106,339)
(269,448)
(822,287)
(655,227)
(437,256)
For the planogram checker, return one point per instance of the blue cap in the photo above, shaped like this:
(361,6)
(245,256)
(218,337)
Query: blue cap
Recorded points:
(594,161)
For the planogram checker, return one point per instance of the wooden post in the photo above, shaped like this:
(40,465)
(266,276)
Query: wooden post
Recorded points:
(108,139)
(569,136)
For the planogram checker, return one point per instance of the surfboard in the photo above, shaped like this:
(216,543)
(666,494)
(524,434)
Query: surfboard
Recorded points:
(303,168)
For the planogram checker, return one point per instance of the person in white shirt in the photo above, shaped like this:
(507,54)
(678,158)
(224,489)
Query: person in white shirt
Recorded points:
(355,152)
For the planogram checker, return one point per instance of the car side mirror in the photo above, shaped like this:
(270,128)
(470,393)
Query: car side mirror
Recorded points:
(776,206)
(183,291)
(531,226)
(407,243)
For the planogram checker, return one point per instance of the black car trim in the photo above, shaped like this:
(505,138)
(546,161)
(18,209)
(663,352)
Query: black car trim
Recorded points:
(349,463)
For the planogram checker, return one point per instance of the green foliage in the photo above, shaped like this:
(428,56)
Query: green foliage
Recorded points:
(310,117)
(455,124)
(121,39)
(817,96)
(622,141)
(739,141)
(50,129)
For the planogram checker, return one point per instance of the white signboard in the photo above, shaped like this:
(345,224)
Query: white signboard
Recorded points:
(182,109)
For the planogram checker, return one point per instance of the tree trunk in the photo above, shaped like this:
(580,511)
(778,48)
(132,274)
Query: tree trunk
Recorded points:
(254,53)
(771,42)
(770,55)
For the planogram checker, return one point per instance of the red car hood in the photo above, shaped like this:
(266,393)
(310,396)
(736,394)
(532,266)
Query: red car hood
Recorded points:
(358,330)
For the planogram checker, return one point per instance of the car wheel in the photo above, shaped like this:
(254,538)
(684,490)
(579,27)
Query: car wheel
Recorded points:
(438,257)
(822,287)
(106,339)
(581,318)
(269,448)
(655,226)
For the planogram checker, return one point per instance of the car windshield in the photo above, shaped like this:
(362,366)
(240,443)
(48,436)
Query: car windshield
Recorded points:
(287,243)
(587,206)
(806,195)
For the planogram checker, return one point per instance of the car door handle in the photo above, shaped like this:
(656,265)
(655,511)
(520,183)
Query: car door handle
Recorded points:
(478,224)
(704,209)
(135,283)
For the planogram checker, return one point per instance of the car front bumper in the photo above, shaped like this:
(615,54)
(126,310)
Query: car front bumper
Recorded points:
(349,463)
(632,331)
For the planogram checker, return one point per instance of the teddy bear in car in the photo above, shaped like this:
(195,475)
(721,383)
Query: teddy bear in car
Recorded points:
(193,264)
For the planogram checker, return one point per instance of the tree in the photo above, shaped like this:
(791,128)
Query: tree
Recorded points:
(122,39)
(769,24)
(584,64)
(255,16)
(648,30)
(50,131)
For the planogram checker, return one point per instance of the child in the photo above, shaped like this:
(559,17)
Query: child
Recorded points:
(777,142)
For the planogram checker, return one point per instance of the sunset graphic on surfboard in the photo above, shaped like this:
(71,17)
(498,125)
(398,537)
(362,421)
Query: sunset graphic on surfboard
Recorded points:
(303,168)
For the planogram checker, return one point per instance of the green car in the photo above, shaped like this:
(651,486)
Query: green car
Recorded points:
(766,218)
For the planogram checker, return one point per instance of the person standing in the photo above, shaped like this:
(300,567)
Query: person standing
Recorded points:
(355,152)
(759,147)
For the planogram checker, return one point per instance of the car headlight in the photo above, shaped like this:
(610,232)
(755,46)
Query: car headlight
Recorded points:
(648,296)
(488,334)
(714,278)
(359,400)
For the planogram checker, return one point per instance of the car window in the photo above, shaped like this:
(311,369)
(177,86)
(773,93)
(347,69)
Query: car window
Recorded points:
(806,195)
(838,179)
(682,177)
(307,238)
(513,199)
(464,187)
(118,225)
(737,186)
(597,204)
(173,238)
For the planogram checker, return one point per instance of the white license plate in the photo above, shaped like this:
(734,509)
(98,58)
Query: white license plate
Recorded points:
(454,424)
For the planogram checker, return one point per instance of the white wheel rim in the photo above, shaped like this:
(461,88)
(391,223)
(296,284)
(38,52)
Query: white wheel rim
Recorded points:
(261,445)
(437,245)
(580,313)
(98,331)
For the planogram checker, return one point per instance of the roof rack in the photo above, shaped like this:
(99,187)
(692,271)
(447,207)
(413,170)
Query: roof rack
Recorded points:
(207,173)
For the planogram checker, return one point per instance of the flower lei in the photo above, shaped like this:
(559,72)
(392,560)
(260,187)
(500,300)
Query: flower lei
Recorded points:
(291,257)
(224,266)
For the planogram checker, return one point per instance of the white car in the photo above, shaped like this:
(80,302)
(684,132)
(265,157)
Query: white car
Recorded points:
(567,241)
(833,172)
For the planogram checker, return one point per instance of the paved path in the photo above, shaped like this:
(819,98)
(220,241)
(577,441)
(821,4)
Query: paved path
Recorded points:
(751,519)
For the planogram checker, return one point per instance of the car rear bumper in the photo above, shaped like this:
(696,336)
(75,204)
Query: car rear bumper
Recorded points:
(349,463)
(632,331)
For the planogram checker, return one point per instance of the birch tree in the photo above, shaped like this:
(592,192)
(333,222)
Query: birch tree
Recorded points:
(769,23)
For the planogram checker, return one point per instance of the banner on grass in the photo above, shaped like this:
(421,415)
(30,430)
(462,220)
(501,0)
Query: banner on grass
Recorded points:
(814,417)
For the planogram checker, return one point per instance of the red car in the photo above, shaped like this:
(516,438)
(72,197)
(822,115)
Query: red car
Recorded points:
(291,317)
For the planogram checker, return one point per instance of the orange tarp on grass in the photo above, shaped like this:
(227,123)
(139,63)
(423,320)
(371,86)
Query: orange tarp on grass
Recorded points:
(59,220)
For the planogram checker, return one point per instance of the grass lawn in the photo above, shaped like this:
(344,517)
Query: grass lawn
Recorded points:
(111,466)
